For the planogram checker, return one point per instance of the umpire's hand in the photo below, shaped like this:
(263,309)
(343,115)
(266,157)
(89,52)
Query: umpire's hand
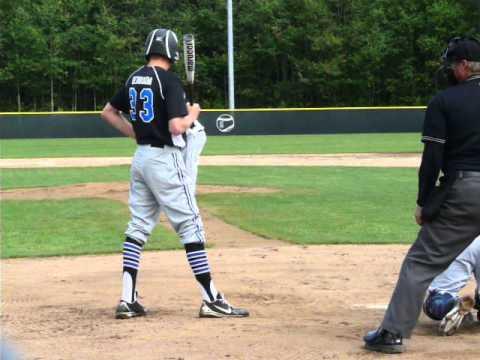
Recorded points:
(418,215)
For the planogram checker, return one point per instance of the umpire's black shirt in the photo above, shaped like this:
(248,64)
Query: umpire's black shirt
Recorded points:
(451,134)
(152,97)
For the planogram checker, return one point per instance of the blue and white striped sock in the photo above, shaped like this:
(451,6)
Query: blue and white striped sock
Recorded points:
(132,250)
(198,260)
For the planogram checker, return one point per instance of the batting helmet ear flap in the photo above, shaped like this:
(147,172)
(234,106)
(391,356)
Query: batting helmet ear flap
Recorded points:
(172,45)
(162,42)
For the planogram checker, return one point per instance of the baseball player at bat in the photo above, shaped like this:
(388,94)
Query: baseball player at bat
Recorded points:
(443,302)
(154,98)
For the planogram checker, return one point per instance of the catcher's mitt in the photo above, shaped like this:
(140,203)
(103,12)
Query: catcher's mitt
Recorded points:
(452,321)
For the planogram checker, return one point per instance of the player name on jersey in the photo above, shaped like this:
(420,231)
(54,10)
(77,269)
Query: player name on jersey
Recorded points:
(142,80)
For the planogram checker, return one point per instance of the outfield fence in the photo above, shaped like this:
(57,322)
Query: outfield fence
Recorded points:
(391,119)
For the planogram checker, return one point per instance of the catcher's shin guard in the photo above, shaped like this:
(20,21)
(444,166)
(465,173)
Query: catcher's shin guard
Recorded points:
(438,304)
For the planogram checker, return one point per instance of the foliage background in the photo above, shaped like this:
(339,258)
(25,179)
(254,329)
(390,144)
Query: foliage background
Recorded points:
(74,54)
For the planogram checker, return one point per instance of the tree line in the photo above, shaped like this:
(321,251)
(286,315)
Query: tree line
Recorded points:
(74,54)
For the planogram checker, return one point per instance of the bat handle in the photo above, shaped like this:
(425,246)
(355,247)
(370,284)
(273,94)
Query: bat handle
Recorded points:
(190,95)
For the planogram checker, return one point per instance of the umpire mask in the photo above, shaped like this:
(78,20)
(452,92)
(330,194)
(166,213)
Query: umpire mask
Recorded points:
(459,48)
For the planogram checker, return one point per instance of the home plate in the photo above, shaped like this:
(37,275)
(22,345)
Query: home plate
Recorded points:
(370,306)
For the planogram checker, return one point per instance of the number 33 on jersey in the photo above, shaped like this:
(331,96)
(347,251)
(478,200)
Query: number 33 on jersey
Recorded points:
(152,97)
(146,96)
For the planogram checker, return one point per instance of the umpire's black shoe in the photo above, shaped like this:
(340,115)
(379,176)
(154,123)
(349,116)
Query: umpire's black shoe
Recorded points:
(384,341)
(128,310)
(220,308)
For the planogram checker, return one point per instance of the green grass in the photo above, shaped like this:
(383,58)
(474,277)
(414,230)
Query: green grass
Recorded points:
(70,227)
(320,205)
(220,145)
(25,178)
(315,205)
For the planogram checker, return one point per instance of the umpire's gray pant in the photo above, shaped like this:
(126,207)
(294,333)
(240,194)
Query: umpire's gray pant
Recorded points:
(438,243)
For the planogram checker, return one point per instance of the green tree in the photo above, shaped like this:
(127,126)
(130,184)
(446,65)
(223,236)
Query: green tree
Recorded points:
(57,54)
(50,19)
(25,46)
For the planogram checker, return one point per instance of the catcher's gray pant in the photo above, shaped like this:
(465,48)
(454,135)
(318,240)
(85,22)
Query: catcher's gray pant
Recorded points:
(438,243)
(160,182)
(196,140)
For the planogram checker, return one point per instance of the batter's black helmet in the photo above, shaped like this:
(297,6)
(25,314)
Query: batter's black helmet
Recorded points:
(162,42)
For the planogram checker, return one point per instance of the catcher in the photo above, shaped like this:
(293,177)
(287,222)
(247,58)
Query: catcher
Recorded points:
(443,302)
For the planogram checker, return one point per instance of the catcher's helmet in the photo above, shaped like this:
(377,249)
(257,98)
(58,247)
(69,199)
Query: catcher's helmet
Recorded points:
(162,42)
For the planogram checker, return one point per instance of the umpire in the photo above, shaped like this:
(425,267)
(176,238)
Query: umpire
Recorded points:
(449,214)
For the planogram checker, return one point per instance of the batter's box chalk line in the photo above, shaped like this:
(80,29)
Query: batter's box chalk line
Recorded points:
(370,306)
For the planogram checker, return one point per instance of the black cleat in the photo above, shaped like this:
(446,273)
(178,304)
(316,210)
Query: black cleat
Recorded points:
(220,308)
(128,310)
(384,341)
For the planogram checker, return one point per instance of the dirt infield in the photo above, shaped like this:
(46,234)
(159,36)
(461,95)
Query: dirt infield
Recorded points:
(306,303)
(371,160)
(311,302)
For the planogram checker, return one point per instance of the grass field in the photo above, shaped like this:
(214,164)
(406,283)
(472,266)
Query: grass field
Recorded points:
(316,205)
(320,205)
(220,145)
(70,227)
(25,178)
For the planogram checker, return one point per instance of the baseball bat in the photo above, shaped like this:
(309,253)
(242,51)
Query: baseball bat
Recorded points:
(189,59)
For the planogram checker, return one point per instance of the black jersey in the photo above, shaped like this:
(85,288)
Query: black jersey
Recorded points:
(453,119)
(152,97)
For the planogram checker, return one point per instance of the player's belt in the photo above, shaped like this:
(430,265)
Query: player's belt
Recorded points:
(155,145)
(151,142)
(464,174)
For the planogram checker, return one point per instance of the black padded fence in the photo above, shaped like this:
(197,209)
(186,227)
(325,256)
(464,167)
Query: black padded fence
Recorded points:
(247,122)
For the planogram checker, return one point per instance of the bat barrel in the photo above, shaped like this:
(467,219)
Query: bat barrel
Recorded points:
(189,56)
